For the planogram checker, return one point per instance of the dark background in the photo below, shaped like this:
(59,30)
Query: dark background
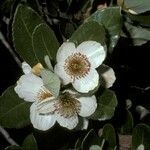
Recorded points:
(130,63)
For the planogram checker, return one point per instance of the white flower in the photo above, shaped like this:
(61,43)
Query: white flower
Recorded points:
(77,65)
(46,110)
(64,110)
(30,87)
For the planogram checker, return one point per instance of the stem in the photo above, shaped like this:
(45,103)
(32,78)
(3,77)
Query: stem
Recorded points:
(7,136)
(6,44)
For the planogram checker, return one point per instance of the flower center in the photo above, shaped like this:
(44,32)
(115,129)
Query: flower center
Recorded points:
(67,106)
(44,94)
(77,65)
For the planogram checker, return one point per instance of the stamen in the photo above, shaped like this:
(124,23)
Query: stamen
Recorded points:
(67,106)
(77,65)
(44,94)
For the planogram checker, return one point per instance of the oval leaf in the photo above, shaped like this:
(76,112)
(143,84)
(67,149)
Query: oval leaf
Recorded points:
(106,106)
(14,112)
(109,135)
(44,42)
(137,6)
(29,143)
(90,139)
(141,136)
(138,34)
(89,31)
(142,19)
(25,20)
(110,18)
(128,123)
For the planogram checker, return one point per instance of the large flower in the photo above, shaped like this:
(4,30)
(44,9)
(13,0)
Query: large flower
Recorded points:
(65,110)
(77,65)
(46,109)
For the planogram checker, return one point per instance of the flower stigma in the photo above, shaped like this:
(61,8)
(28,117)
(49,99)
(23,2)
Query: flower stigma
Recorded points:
(77,65)
(44,94)
(67,106)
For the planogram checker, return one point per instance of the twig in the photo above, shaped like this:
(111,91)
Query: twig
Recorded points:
(7,136)
(6,44)
(142,89)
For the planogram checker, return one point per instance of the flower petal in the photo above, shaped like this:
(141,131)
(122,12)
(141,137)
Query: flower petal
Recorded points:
(87,83)
(66,49)
(28,87)
(59,70)
(109,77)
(94,51)
(69,123)
(88,106)
(46,107)
(85,124)
(26,68)
(82,124)
(41,122)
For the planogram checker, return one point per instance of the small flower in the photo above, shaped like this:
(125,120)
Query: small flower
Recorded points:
(77,65)
(64,110)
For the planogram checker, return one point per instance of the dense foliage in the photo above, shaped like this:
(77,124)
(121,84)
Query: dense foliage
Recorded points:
(33,31)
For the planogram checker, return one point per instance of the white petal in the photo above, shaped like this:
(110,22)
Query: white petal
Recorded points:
(87,83)
(46,107)
(82,124)
(41,122)
(141,147)
(109,77)
(59,70)
(85,124)
(28,87)
(26,68)
(69,123)
(94,51)
(88,106)
(132,12)
(66,49)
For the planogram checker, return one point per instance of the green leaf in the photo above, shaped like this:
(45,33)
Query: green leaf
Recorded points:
(89,31)
(78,143)
(51,81)
(106,106)
(109,135)
(141,19)
(25,20)
(14,112)
(128,123)
(90,139)
(138,34)
(138,6)
(141,135)
(44,42)
(110,18)
(29,143)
